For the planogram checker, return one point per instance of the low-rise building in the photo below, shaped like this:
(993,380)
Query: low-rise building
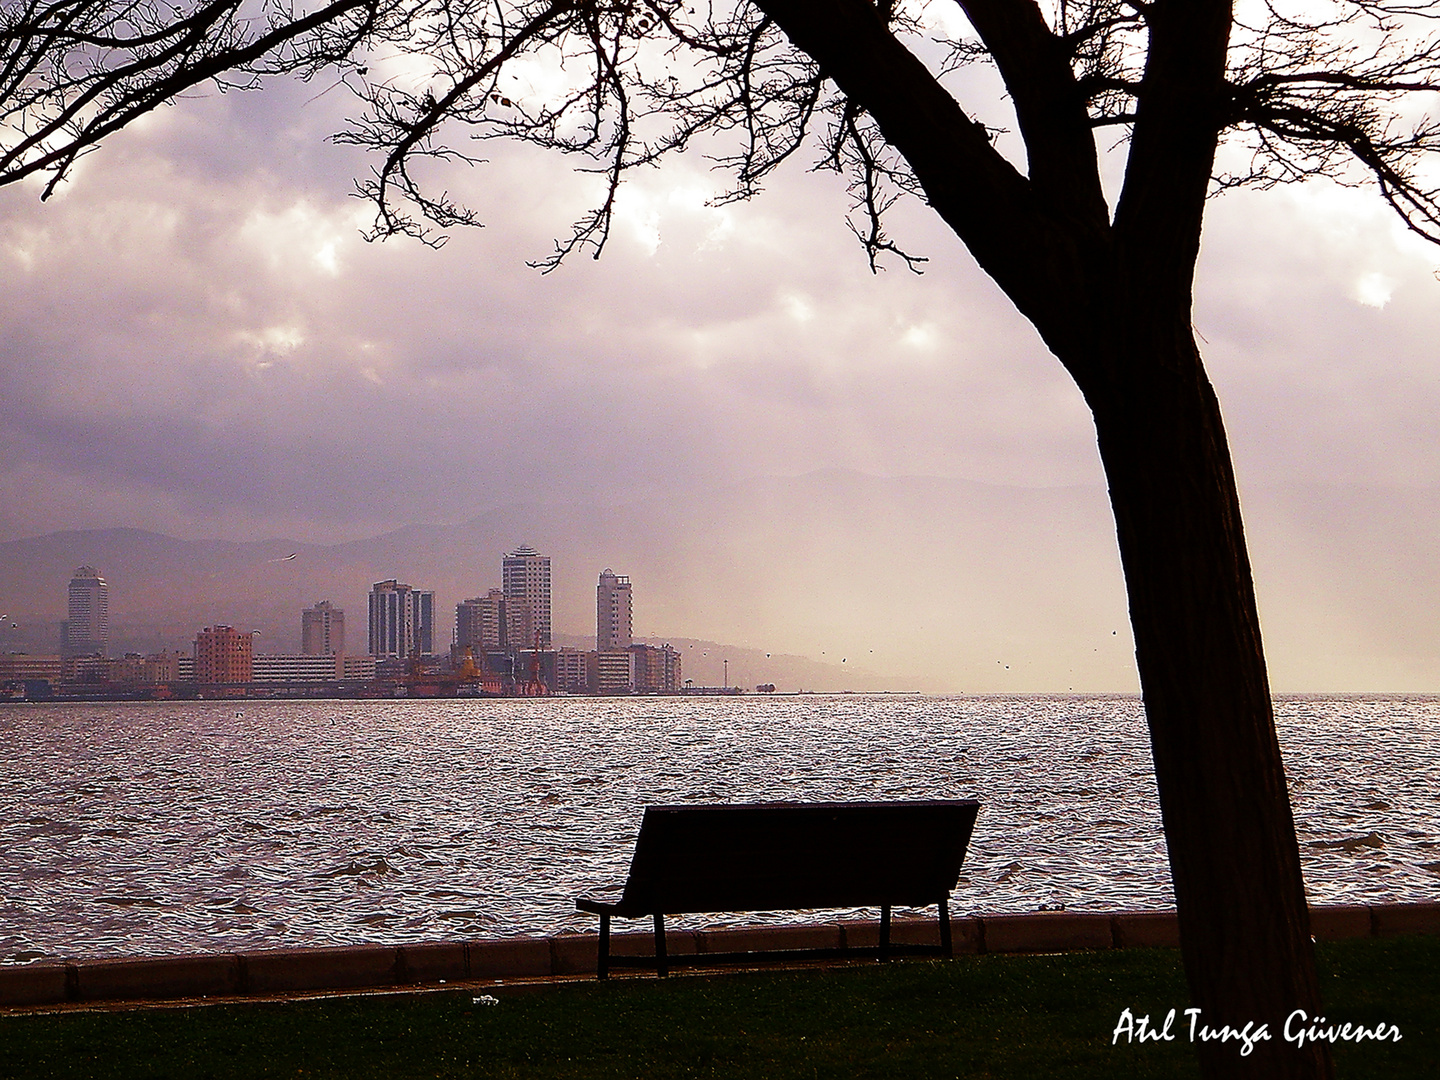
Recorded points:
(276,667)
(358,667)
(615,671)
(657,669)
(575,671)
(91,668)
(30,666)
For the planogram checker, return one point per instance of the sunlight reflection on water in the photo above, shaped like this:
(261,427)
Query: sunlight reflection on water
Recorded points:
(203,826)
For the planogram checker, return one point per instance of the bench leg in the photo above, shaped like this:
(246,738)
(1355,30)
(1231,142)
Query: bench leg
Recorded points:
(602,963)
(660,944)
(945,946)
(884,933)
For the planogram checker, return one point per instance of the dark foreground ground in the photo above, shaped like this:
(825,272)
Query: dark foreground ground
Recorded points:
(975,1016)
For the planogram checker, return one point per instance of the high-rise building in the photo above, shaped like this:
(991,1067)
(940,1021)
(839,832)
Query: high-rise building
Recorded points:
(402,620)
(493,622)
(613,628)
(223,655)
(525,573)
(480,622)
(322,630)
(87,630)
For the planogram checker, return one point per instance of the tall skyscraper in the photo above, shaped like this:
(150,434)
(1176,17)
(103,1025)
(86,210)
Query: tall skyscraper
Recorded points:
(87,630)
(402,620)
(322,630)
(613,612)
(525,574)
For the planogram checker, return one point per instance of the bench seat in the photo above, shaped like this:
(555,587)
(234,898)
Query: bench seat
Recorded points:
(787,856)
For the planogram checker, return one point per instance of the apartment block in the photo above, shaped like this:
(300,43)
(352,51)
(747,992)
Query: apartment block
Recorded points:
(525,574)
(401,621)
(322,630)
(613,612)
(223,655)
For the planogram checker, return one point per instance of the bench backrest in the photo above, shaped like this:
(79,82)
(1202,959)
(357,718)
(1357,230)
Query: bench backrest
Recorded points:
(783,856)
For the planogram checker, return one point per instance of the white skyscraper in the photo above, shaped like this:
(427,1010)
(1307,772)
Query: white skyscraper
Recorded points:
(613,629)
(87,630)
(525,574)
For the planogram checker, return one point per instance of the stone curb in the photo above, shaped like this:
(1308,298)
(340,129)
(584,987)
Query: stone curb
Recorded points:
(360,967)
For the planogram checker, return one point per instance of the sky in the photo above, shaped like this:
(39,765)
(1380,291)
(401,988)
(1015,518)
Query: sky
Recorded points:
(195,339)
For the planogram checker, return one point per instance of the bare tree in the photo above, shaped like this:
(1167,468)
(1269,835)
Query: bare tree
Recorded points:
(74,71)
(1319,90)
(1313,91)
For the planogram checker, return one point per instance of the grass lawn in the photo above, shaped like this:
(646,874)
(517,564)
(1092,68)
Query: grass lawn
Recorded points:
(985,1016)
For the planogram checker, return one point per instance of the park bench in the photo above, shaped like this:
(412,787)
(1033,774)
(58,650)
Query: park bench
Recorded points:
(787,857)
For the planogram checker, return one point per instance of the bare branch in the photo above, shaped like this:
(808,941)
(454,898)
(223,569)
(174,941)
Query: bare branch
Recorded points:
(73,72)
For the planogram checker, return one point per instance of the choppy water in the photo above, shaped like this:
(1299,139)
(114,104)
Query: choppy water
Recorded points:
(185,827)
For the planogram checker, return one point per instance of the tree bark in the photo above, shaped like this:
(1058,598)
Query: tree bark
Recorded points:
(1244,924)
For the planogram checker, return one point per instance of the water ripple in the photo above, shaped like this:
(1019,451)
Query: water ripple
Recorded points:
(185,827)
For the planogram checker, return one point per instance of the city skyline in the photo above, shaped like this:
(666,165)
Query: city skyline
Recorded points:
(1021,595)
(216,290)
(492,637)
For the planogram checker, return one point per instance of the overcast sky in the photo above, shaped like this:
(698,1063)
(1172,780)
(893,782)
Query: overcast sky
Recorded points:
(195,339)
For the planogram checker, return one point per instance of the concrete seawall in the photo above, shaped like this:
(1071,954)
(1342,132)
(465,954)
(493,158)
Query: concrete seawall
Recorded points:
(370,967)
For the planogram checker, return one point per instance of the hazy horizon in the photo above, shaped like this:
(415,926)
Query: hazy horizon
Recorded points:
(999,589)
(194,340)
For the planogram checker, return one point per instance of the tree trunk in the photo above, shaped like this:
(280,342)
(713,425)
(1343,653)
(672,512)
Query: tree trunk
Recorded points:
(1244,924)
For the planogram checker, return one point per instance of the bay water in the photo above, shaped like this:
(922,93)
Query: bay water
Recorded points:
(142,829)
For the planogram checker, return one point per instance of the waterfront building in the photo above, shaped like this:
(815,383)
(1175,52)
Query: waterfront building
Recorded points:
(657,669)
(494,621)
(129,669)
(134,669)
(575,671)
(322,630)
(295,669)
(358,667)
(613,612)
(28,666)
(163,667)
(614,672)
(223,655)
(401,622)
(87,629)
(86,668)
(525,574)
